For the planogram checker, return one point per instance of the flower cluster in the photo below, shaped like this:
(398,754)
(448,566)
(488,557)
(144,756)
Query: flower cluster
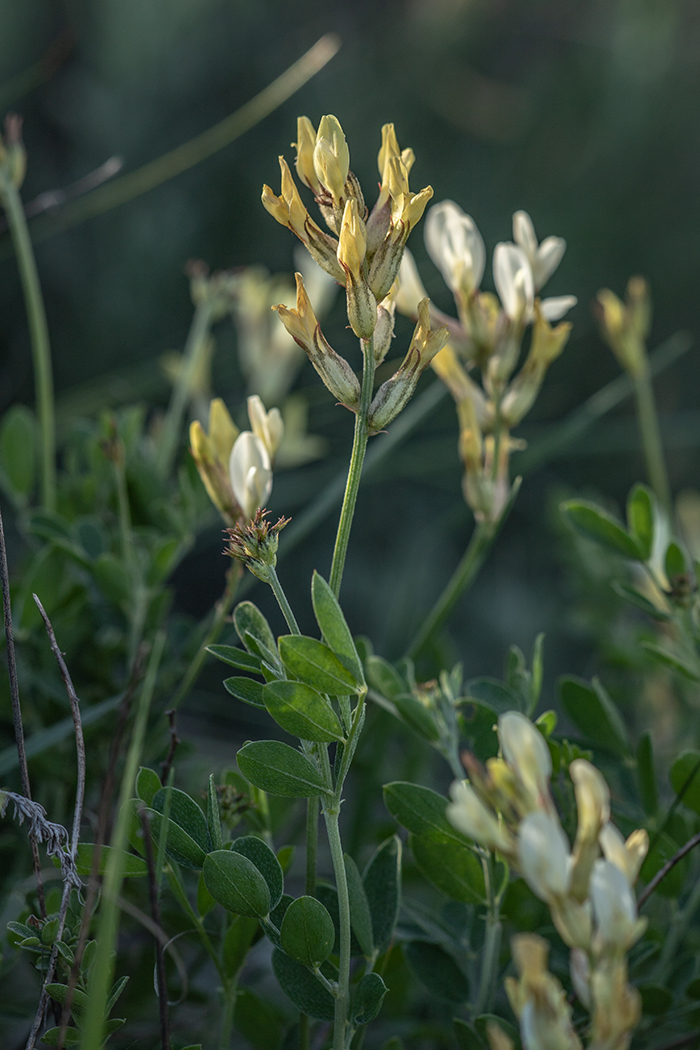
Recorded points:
(488,333)
(625,325)
(236,467)
(54,836)
(507,806)
(255,543)
(363,252)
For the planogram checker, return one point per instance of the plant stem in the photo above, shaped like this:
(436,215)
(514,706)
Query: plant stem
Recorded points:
(221,611)
(341,884)
(101,973)
(311,845)
(648,420)
(282,600)
(39,335)
(230,994)
(352,485)
(195,347)
(492,944)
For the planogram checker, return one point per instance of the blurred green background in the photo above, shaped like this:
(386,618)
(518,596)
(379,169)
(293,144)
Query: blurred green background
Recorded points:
(583,112)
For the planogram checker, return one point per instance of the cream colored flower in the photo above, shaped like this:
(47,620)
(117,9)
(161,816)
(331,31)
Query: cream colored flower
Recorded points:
(543,856)
(267,426)
(628,855)
(470,816)
(455,246)
(526,752)
(250,472)
(543,258)
(614,908)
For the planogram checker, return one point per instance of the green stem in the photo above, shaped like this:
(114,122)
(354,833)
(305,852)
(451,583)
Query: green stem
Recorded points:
(181,893)
(221,611)
(102,971)
(651,436)
(492,945)
(282,600)
(479,545)
(352,485)
(311,845)
(341,883)
(39,335)
(195,347)
(230,994)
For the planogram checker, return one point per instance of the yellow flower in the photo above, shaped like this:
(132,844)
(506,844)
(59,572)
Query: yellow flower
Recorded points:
(305,144)
(331,157)
(211,454)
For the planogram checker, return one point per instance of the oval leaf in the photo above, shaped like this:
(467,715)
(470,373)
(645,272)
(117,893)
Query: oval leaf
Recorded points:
(185,812)
(245,689)
(132,866)
(368,997)
(334,628)
(302,711)
(640,518)
(594,713)
(420,810)
(453,868)
(147,784)
(382,882)
(247,619)
(437,971)
(279,769)
(235,657)
(685,778)
(235,882)
(360,917)
(307,994)
(265,861)
(315,664)
(595,524)
(180,846)
(307,932)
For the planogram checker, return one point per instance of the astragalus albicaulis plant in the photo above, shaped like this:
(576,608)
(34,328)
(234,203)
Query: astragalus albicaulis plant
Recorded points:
(535,855)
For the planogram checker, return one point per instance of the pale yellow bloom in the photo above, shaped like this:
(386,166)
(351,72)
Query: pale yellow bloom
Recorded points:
(331,157)
(250,471)
(211,454)
(627,855)
(473,818)
(593,806)
(526,752)
(352,242)
(267,426)
(538,999)
(305,144)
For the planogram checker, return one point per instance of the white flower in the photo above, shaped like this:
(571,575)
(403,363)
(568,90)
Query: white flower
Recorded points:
(628,855)
(514,282)
(526,752)
(268,426)
(614,907)
(250,472)
(455,246)
(410,287)
(556,306)
(469,815)
(543,855)
(543,258)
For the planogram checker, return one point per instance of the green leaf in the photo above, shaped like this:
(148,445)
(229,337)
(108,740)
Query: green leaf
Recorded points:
(674,561)
(594,713)
(185,812)
(334,629)
(491,693)
(247,619)
(245,689)
(466,1035)
(437,971)
(537,670)
(132,866)
(279,769)
(368,997)
(18,433)
(674,661)
(51,1037)
(117,989)
(235,882)
(273,927)
(307,931)
(360,917)
(213,817)
(237,942)
(302,711)
(269,658)
(180,846)
(316,665)
(384,677)
(299,985)
(420,810)
(656,999)
(59,993)
(417,716)
(662,850)
(205,901)
(147,784)
(646,775)
(634,597)
(382,882)
(265,861)
(112,579)
(595,524)
(453,867)
(640,518)
(685,778)
(235,657)
(258,1020)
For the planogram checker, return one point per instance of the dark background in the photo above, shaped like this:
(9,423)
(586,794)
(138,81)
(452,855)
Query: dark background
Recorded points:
(584,113)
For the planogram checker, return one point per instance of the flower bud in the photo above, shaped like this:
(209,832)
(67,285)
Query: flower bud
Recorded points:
(13,156)
(333,369)
(526,752)
(514,284)
(352,246)
(394,395)
(543,855)
(384,331)
(331,157)
(625,326)
(538,999)
(628,855)
(456,247)
(305,144)
(593,806)
(614,909)
(543,258)
(211,455)
(250,472)
(255,544)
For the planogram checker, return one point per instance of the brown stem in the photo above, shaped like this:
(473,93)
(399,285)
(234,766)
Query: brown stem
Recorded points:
(155,912)
(17,711)
(660,875)
(174,741)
